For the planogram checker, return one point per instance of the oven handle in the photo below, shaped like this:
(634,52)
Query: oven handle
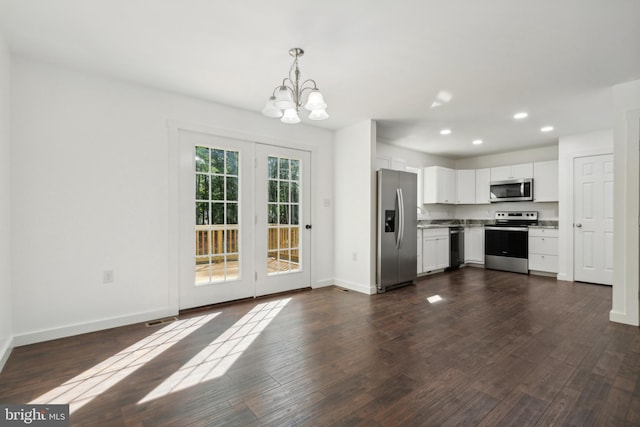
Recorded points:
(525,229)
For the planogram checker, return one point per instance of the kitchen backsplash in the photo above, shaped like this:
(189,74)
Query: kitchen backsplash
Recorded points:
(546,211)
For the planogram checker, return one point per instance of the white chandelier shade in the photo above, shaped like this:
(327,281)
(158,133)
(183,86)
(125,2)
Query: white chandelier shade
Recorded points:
(318,115)
(287,99)
(290,116)
(315,101)
(270,109)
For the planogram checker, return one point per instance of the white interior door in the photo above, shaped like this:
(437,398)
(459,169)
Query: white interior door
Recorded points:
(283,201)
(216,212)
(593,219)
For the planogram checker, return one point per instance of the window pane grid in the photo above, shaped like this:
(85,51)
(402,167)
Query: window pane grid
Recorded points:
(217,225)
(283,212)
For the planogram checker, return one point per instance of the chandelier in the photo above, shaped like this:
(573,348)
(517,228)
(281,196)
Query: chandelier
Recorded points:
(286,100)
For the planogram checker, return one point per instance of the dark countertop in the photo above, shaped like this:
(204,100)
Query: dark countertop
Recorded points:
(444,223)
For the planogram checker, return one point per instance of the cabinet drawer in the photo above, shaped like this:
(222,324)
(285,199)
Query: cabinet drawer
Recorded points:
(435,232)
(543,232)
(543,245)
(548,263)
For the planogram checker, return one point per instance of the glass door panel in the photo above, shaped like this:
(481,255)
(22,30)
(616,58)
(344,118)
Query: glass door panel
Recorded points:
(216,225)
(282,205)
(216,194)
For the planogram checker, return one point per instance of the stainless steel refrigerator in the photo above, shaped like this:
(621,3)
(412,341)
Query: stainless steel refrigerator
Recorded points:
(397,229)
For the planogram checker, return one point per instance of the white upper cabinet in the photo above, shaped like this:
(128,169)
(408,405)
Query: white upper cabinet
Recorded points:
(504,173)
(439,185)
(545,181)
(471,186)
(483,178)
(466,186)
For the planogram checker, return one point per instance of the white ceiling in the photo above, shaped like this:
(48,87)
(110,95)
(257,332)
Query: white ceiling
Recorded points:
(385,60)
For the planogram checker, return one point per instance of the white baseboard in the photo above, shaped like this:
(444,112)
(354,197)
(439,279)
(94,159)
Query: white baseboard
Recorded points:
(564,277)
(5,351)
(83,328)
(619,317)
(358,287)
(322,283)
(543,273)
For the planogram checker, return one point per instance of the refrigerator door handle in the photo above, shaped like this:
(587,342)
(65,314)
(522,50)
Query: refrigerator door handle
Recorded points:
(401,217)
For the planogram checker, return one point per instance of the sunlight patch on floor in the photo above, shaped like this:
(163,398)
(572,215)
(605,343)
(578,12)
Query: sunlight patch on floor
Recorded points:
(83,388)
(215,359)
(435,298)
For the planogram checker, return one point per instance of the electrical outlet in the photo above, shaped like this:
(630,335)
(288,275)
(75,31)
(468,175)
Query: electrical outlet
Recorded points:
(107,276)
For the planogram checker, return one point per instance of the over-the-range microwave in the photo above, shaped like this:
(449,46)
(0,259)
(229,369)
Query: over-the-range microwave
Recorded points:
(513,190)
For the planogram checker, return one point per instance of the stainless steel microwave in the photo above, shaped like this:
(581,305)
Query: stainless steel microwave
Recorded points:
(513,190)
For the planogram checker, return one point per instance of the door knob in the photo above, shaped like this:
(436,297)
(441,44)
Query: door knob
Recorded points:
(308,226)
(579,225)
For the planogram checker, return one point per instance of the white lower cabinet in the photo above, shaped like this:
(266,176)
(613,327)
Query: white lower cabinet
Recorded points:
(543,249)
(435,249)
(474,245)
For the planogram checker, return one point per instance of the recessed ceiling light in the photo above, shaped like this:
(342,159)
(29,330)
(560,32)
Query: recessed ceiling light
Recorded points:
(521,115)
(546,129)
(476,142)
(445,131)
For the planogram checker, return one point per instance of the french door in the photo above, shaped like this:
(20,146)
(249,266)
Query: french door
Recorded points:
(216,227)
(593,219)
(283,219)
(243,208)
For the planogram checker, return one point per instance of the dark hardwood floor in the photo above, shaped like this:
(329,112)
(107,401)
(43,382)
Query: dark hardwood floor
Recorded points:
(499,349)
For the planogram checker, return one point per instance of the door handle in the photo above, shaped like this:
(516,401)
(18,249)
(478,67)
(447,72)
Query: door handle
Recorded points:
(579,225)
(400,231)
(308,226)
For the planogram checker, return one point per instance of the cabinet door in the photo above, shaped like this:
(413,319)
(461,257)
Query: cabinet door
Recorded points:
(503,173)
(429,187)
(500,173)
(522,171)
(483,179)
(449,177)
(548,263)
(429,254)
(439,185)
(545,181)
(466,186)
(442,252)
(543,245)
(474,245)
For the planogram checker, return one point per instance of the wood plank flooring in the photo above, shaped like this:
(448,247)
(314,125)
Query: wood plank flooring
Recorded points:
(500,349)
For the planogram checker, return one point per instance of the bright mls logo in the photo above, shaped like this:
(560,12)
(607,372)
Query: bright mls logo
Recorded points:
(34,415)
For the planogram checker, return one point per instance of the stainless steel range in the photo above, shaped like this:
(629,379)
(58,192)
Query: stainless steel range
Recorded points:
(506,243)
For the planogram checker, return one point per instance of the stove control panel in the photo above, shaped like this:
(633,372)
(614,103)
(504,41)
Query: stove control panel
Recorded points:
(517,215)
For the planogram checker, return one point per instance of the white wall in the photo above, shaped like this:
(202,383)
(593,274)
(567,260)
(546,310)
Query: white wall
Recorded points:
(92,192)
(625,305)
(570,148)
(355,232)
(539,154)
(416,159)
(546,211)
(6,328)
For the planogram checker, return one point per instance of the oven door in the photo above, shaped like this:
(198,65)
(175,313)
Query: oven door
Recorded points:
(512,242)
